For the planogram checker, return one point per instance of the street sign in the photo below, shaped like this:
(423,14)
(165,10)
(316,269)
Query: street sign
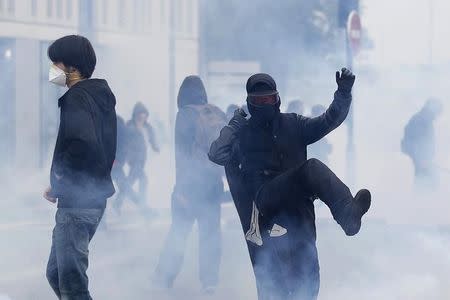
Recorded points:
(354,32)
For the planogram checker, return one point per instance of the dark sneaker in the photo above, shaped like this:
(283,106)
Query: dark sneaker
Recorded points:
(360,205)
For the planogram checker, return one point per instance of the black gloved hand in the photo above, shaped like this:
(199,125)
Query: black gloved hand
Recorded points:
(345,80)
(238,120)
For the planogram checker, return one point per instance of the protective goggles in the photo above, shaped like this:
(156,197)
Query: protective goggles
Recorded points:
(268,99)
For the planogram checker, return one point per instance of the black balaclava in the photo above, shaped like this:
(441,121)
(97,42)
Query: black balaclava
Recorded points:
(261,85)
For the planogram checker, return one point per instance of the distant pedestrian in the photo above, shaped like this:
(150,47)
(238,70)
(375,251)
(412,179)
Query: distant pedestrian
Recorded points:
(198,189)
(419,142)
(139,133)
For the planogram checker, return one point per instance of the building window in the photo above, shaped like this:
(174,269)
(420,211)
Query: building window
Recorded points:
(49,8)
(162,11)
(137,14)
(122,12)
(149,13)
(59,9)
(69,9)
(105,11)
(11,6)
(33,8)
(189,16)
(7,100)
(179,20)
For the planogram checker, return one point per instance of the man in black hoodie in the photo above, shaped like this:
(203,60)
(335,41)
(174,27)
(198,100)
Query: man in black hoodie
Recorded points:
(198,188)
(82,161)
(273,186)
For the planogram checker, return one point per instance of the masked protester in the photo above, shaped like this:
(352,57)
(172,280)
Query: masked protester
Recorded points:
(81,169)
(419,143)
(322,148)
(139,132)
(273,185)
(198,188)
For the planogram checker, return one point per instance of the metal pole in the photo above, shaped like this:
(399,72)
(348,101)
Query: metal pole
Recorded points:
(431,31)
(351,160)
(172,63)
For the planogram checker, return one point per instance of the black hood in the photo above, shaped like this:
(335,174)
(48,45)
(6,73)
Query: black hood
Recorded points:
(258,85)
(261,84)
(100,91)
(192,91)
(138,109)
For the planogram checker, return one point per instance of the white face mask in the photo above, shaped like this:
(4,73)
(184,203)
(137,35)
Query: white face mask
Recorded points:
(57,76)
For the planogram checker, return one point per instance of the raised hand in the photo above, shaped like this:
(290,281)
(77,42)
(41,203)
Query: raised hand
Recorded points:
(345,80)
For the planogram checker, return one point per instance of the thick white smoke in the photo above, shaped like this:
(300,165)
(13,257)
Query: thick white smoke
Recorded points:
(402,250)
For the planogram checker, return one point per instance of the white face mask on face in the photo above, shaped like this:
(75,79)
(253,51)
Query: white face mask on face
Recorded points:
(57,76)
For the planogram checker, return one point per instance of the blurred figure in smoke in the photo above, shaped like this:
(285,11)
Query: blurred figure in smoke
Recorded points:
(118,172)
(82,161)
(230,110)
(198,188)
(322,148)
(296,106)
(419,142)
(139,133)
(273,186)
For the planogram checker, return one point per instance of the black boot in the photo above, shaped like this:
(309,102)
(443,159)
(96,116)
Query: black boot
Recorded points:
(358,207)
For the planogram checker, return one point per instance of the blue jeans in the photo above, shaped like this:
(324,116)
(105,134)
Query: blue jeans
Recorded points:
(68,262)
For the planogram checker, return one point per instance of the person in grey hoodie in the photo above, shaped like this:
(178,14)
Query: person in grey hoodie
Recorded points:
(198,188)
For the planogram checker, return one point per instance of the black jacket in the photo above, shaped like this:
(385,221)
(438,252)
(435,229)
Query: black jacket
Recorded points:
(192,91)
(191,178)
(86,146)
(136,139)
(291,133)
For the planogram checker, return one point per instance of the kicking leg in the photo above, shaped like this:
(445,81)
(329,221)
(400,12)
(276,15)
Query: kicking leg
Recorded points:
(313,178)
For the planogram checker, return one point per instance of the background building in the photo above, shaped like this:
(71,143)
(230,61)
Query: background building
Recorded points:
(144,49)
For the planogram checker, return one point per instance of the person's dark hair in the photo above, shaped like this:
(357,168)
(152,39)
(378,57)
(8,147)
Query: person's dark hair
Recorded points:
(74,51)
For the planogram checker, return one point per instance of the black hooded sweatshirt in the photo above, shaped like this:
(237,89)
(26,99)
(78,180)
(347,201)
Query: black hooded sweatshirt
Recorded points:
(190,177)
(86,146)
(136,139)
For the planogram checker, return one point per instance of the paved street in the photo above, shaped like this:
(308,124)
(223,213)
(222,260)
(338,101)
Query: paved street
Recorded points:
(384,262)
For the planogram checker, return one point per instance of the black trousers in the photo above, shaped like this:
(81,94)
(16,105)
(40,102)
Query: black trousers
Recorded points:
(125,185)
(185,211)
(309,180)
(287,267)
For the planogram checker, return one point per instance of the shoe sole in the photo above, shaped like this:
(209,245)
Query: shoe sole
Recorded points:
(364,195)
(365,199)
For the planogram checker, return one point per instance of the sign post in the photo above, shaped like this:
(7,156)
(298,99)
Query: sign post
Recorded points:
(353,45)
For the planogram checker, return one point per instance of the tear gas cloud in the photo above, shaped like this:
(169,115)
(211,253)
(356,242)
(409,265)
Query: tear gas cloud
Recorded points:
(402,249)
